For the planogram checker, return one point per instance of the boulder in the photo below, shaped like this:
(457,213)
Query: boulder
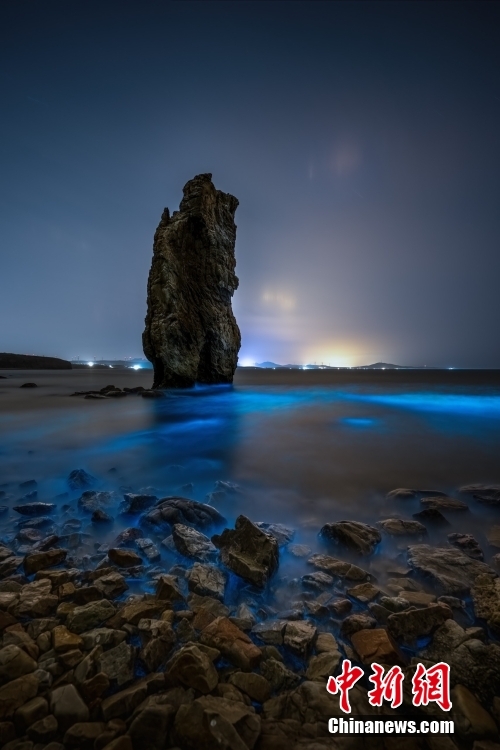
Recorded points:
(151,726)
(472,721)
(92,501)
(123,704)
(279,677)
(173,510)
(207,580)
(299,636)
(282,534)
(111,585)
(33,710)
(124,558)
(232,642)
(467,544)
(44,730)
(118,663)
(64,640)
(402,527)
(486,598)
(449,570)
(34,509)
(41,560)
(323,665)
(192,543)
(192,668)
(376,645)
(14,663)
(16,693)
(216,724)
(190,331)
(254,685)
(82,735)
(68,707)
(485,493)
(90,616)
(35,599)
(354,535)
(248,551)
(167,588)
(404,493)
(79,479)
(447,504)
(411,624)
(431,516)
(339,568)
(270,631)
(133,503)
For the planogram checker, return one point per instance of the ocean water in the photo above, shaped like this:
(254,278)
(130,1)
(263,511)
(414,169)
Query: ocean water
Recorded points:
(302,454)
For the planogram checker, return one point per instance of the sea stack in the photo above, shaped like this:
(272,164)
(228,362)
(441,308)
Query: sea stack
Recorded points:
(191,335)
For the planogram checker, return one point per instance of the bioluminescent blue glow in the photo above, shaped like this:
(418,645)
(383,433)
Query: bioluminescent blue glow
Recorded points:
(358,422)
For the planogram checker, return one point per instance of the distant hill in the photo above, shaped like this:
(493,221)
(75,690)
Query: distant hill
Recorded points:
(375,366)
(31,362)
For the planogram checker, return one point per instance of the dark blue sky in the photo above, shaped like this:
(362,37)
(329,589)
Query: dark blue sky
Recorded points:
(361,139)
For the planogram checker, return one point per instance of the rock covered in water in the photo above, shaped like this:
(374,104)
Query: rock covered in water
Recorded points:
(190,332)
(354,535)
(450,570)
(248,551)
(172,510)
(79,479)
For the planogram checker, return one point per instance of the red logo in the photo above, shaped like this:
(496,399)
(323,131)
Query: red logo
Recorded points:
(389,688)
(343,683)
(428,685)
(432,684)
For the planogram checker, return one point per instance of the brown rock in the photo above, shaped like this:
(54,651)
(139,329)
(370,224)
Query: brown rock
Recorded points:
(67,706)
(472,721)
(412,624)
(191,334)
(40,560)
(486,598)
(64,640)
(14,663)
(111,585)
(151,726)
(81,736)
(124,703)
(33,710)
(167,588)
(94,687)
(299,636)
(353,535)
(133,613)
(190,667)
(253,685)
(16,693)
(216,724)
(248,551)
(44,730)
(124,558)
(376,645)
(232,642)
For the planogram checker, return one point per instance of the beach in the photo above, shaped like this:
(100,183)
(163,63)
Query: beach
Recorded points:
(346,486)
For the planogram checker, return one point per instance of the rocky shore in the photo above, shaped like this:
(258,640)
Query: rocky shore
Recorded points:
(184,633)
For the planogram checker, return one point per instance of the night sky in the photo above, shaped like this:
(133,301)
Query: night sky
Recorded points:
(361,139)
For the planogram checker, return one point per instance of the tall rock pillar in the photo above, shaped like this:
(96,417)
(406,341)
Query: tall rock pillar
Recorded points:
(191,334)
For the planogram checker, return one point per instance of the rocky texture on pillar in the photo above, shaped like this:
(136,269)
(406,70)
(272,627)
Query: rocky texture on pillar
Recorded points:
(191,334)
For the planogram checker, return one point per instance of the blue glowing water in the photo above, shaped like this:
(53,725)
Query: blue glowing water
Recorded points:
(301,455)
